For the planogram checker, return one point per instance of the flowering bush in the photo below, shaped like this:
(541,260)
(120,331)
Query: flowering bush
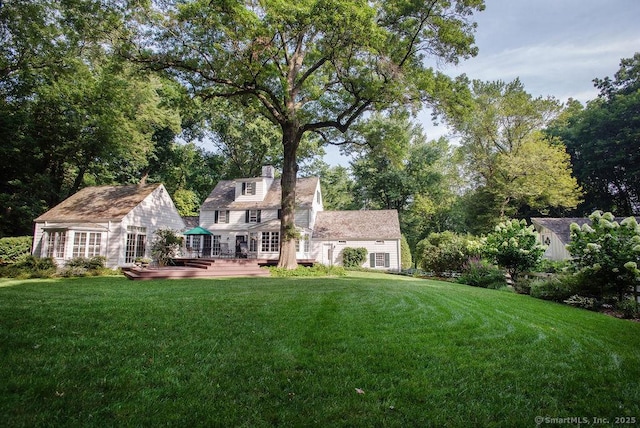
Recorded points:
(166,246)
(607,253)
(514,246)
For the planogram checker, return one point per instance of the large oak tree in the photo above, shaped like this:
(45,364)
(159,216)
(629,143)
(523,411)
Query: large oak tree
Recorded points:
(310,65)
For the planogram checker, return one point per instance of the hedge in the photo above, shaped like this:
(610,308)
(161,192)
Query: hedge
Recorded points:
(14,249)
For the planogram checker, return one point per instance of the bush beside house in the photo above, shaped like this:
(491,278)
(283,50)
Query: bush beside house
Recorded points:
(354,257)
(14,249)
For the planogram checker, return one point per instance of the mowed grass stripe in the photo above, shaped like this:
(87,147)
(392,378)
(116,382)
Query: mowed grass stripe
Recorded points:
(269,351)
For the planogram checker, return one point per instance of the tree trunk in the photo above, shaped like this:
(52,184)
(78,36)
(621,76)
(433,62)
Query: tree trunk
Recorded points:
(288,232)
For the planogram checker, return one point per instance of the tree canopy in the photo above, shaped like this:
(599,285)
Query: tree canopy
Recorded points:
(512,165)
(603,140)
(313,66)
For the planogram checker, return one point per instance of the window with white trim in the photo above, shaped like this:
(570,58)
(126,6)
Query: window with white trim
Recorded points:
(86,244)
(379,260)
(305,240)
(249,188)
(193,242)
(221,216)
(56,243)
(215,244)
(270,242)
(252,216)
(136,243)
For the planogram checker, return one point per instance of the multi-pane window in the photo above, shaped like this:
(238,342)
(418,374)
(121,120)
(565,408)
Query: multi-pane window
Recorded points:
(252,216)
(86,244)
(56,243)
(249,188)
(270,242)
(379,260)
(136,243)
(305,242)
(215,245)
(221,216)
(194,242)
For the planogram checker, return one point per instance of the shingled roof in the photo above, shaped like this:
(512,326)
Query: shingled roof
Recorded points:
(223,196)
(561,227)
(99,203)
(345,225)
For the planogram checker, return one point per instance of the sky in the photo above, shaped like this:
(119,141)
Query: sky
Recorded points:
(555,47)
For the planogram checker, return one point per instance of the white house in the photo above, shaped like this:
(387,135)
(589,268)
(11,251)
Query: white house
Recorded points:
(555,233)
(116,222)
(244,215)
(243,218)
(376,230)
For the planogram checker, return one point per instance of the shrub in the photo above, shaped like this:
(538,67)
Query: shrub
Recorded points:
(523,286)
(71,271)
(552,266)
(581,302)
(81,266)
(607,253)
(445,252)
(166,245)
(353,257)
(629,308)
(92,263)
(14,249)
(480,273)
(303,271)
(30,267)
(557,288)
(405,253)
(514,246)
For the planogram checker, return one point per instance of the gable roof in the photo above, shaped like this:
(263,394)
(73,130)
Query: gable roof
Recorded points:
(561,227)
(366,224)
(223,196)
(99,203)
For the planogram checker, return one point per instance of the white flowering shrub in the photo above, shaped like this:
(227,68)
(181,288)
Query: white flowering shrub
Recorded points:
(606,253)
(514,246)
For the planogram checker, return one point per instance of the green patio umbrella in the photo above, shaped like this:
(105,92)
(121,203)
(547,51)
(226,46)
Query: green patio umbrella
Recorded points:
(197,231)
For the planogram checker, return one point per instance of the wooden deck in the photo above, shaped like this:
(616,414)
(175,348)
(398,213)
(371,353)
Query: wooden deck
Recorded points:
(206,268)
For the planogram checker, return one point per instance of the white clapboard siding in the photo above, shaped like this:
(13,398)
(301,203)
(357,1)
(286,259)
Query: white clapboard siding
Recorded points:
(262,187)
(156,211)
(331,252)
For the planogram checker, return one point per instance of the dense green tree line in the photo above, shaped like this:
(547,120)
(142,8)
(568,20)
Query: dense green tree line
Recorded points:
(103,92)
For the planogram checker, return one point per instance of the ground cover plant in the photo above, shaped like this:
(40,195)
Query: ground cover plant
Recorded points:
(363,349)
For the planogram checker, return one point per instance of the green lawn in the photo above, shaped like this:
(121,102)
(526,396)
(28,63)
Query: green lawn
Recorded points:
(291,352)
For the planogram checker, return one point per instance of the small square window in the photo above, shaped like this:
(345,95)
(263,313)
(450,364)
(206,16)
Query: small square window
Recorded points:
(249,188)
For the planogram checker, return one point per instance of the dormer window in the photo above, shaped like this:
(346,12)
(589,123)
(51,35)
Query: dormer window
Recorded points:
(249,188)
